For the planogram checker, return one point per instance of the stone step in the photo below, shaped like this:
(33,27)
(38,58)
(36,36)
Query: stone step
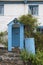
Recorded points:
(18,62)
(16,50)
(15,60)
(11,58)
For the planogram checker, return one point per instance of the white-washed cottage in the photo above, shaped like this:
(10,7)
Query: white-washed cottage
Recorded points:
(10,9)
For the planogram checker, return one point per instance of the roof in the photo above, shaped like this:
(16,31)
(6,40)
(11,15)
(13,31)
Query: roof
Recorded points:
(21,0)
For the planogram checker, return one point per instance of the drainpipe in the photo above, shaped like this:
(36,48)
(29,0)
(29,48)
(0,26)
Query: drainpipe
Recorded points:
(25,2)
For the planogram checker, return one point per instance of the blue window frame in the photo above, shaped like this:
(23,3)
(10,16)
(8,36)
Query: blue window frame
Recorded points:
(1,10)
(33,9)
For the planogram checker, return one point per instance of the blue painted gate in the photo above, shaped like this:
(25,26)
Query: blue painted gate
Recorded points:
(16,37)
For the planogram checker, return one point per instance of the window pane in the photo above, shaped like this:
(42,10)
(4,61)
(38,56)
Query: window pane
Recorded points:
(34,9)
(1,10)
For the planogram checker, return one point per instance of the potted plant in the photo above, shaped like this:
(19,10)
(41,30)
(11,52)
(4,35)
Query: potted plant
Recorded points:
(30,24)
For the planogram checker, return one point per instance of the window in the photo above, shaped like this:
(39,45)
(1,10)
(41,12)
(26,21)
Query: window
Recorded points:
(1,9)
(40,29)
(33,9)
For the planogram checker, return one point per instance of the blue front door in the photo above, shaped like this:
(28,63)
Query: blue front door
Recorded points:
(16,37)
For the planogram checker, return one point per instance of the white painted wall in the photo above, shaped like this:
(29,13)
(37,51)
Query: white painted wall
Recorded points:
(40,17)
(12,11)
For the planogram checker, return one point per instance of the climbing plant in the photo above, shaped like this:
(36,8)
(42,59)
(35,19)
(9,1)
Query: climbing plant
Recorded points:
(30,24)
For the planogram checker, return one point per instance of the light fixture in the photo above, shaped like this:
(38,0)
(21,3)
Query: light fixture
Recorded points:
(15,20)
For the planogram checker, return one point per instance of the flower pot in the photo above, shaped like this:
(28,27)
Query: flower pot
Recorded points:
(30,45)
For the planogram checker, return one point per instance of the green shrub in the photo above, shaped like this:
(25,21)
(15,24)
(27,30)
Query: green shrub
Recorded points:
(38,40)
(39,58)
(24,55)
(5,43)
(31,59)
(3,38)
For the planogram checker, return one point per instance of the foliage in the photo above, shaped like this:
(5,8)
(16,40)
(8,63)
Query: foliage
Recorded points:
(24,55)
(5,43)
(30,23)
(38,40)
(39,58)
(31,59)
(3,39)
(1,33)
